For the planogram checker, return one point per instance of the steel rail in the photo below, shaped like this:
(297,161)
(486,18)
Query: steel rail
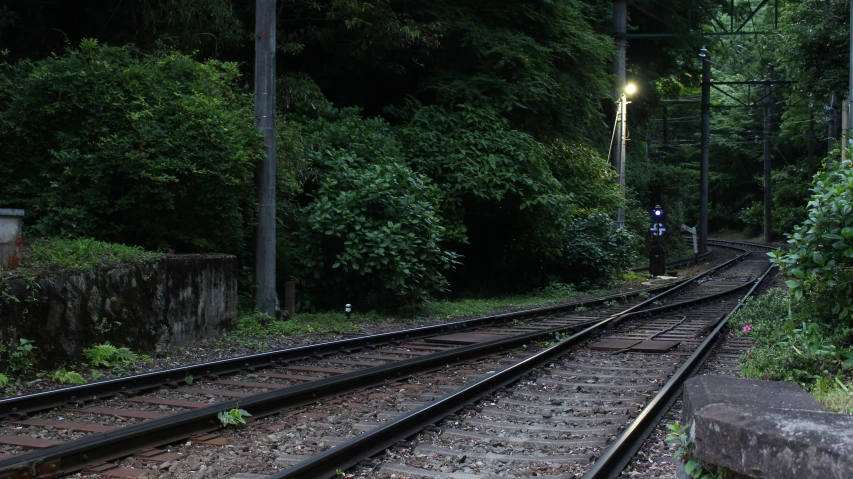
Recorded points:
(613,461)
(355,450)
(21,406)
(678,263)
(101,447)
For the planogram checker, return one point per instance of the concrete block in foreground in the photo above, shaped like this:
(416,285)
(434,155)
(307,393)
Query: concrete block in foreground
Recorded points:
(766,429)
(775,444)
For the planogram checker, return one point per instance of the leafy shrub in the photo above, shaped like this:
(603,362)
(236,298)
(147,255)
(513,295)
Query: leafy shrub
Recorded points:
(588,178)
(369,230)
(155,149)
(16,359)
(503,207)
(20,357)
(821,253)
(592,251)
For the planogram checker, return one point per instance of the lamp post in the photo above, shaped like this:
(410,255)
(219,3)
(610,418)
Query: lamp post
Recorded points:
(630,89)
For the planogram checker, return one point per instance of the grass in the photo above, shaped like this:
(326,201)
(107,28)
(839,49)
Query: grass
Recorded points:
(462,307)
(82,253)
(253,328)
(833,394)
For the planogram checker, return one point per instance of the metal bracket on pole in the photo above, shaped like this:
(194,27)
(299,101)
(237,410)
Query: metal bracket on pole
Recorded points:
(695,238)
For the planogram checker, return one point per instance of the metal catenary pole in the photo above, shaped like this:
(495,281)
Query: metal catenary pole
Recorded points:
(623,156)
(768,150)
(706,138)
(265,295)
(620,25)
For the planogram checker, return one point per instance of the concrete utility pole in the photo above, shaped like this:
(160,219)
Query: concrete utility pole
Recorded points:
(620,26)
(833,129)
(768,150)
(811,145)
(849,105)
(845,128)
(265,295)
(706,140)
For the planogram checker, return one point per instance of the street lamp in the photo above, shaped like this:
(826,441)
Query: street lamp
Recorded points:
(630,89)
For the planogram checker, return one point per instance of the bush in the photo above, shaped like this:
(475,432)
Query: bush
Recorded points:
(156,150)
(820,260)
(369,230)
(592,252)
(788,345)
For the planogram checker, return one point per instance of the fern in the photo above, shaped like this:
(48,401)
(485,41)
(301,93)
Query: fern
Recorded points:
(67,377)
(108,356)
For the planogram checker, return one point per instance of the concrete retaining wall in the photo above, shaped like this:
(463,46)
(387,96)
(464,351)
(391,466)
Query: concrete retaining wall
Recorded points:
(178,301)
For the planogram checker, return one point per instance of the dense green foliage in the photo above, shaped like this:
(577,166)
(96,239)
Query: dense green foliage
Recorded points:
(445,143)
(509,208)
(371,229)
(815,47)
(805,335)
(821,254)
(790,192)
(155,150)
(539,63)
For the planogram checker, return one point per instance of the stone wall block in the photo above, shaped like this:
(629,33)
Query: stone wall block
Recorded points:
(201,292)
(766,430)
(775,444)
(187,298)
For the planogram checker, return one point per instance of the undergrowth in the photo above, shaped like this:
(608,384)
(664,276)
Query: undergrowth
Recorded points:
(82,253)
(790,345)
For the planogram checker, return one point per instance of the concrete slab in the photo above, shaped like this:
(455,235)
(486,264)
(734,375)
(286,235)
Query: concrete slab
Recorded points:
(704,390)
(766,430)
(775,444)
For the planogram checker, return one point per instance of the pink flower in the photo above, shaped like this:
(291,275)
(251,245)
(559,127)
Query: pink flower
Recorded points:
(748,327)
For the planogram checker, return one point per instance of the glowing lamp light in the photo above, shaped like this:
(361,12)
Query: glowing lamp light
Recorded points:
(630,89)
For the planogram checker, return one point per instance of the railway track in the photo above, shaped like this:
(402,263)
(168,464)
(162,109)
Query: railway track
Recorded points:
(407,371)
